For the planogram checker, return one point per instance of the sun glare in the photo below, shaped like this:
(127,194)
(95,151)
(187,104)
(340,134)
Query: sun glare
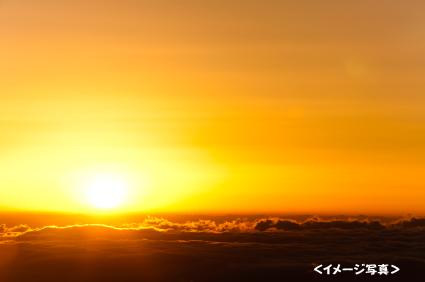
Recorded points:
(106,191)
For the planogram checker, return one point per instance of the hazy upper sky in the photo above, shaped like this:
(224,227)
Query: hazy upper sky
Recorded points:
(224,106)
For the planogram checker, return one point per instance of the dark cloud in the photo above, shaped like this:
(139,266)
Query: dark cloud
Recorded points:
(234,225)
(315,223)
(413,222)
(254,249)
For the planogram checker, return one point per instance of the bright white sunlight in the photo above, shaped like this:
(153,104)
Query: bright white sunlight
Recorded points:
(106,190)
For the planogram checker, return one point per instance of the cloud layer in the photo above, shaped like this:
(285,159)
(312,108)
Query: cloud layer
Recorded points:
(255,249)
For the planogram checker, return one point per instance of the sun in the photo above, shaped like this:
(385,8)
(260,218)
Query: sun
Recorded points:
(106,191)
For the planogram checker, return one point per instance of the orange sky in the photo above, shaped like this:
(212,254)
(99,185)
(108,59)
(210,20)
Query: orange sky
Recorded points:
(214,106)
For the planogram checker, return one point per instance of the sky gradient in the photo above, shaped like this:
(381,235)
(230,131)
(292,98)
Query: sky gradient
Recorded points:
(219,106)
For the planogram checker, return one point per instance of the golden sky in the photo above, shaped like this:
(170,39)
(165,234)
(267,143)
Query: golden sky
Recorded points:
(214,106)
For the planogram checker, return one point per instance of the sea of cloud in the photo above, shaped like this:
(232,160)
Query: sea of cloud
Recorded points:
(237,249)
